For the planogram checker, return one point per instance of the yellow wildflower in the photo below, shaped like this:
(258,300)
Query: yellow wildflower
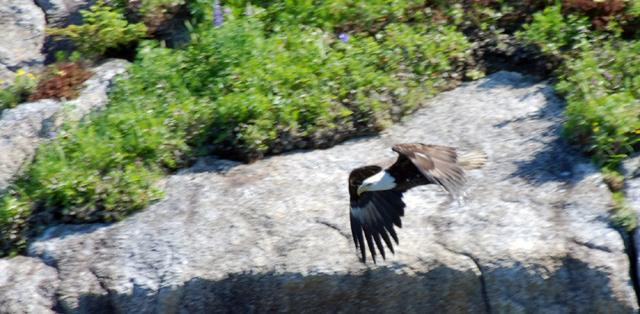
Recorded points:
(21,72)
(31,76)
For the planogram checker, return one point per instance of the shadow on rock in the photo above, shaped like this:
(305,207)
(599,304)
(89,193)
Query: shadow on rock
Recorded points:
(573,287)
(554,163)
(556,160)
(378,290)
(62,231)
(210,164)
(502,79)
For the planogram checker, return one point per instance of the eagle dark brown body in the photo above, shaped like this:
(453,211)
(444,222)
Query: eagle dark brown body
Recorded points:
(376,192)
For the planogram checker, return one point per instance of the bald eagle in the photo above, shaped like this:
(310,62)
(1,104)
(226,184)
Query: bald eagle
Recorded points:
(376,192)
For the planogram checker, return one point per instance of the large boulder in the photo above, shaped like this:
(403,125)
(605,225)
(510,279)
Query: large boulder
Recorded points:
(27,285)
(23,128)
(533,234)
(22,24)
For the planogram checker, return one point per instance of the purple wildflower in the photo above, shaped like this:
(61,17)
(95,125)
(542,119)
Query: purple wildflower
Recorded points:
(217,14)
(344,37)
(52,134)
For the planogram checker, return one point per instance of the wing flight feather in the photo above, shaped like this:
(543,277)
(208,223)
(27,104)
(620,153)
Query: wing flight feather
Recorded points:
(372,221)
(437,163)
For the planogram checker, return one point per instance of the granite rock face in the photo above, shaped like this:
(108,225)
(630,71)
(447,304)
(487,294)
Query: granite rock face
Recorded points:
(22,24)
(532,235)
(27,285)
(23,128)
(631,172)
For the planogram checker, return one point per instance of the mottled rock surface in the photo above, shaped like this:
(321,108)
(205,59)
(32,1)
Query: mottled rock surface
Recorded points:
(23,128)
(22,25)
(532,236)
(27,285)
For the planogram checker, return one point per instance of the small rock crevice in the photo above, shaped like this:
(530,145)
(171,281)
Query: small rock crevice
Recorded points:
(109,293)
(592,246)
(334,227)
(158,297)
(630,248)
(57,305)
(483,283)
(103,286)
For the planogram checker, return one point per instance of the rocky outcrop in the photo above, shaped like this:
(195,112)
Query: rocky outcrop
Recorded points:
(27,285)
(23,128)
(532,236)
(631,171)
(22,24)
(61,13)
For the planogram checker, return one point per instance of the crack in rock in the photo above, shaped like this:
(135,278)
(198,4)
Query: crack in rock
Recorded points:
(334,227)
(592,246)
(483,283)
(103,286)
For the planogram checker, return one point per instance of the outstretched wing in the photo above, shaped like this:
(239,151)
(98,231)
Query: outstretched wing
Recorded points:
(437,163)
(373,216)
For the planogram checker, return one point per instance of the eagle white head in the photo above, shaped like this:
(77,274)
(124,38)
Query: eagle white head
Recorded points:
(380,181)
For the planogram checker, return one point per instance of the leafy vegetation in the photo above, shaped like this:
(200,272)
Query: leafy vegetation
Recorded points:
(554,32)
(624,216)
(266,76)
(23,85)
(104,27)
(602,88)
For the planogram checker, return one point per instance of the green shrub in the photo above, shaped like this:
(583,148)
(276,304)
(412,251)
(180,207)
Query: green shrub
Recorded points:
(23,85)
(624,216)
(104,27)
(602,88)
(302,80)
(633,8)
(554,32)
(340,15)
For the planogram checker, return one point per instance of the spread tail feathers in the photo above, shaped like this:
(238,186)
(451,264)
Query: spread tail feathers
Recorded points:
(472,160)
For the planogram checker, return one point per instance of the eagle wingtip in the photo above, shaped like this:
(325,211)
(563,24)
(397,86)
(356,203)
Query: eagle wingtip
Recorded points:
(473,160)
